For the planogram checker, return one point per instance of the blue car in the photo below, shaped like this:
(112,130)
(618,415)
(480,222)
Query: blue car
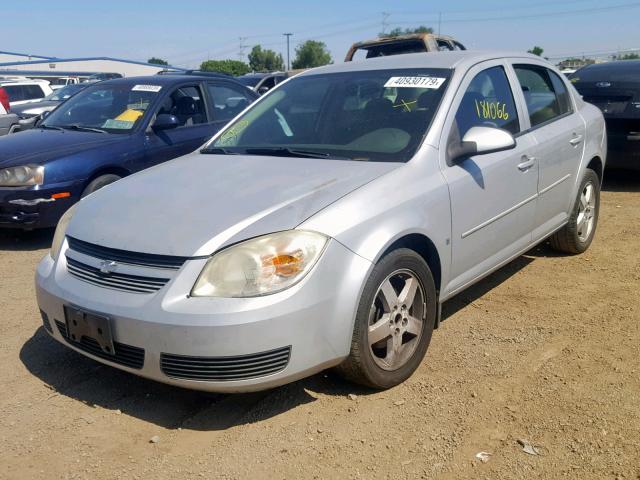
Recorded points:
(108,131)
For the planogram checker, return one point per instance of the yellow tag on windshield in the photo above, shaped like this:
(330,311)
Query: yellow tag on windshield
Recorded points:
(129,115)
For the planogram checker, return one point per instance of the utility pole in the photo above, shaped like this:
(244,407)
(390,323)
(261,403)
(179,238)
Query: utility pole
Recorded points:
(242,47)
(288,35)
(385,21)
(439,21)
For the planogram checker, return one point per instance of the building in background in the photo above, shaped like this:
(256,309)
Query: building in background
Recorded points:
(52,67)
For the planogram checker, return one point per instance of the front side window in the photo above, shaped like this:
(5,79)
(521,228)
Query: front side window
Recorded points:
(227,101)
(187,104)
(379,115)
(544,102)
(488,102)
(117,108)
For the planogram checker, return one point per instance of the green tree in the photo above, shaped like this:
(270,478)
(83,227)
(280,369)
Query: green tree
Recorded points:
(231,67)
(629,56)
(157,61)
(265,60)
(396,32)
(311,54)
(536,51)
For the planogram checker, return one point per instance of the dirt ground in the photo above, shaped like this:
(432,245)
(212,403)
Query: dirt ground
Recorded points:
(545,350)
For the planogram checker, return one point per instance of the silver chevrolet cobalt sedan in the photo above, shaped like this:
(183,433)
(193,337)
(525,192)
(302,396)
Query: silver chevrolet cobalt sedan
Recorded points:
(327,223)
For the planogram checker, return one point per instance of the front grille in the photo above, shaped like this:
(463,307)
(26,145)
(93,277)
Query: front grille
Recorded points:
(45,322)
(225,368)
(123,256)
(127,355)
(117,281)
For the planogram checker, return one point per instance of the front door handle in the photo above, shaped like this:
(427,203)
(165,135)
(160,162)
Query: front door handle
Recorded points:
(575,140)
(527,162)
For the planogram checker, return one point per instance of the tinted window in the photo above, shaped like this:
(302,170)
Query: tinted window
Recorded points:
(228,101)
(15,92)
(187,104)
(543,102)
(379,115)
(488,102)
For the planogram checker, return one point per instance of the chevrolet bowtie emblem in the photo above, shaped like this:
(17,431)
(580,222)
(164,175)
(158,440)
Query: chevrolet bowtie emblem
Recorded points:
(108,266)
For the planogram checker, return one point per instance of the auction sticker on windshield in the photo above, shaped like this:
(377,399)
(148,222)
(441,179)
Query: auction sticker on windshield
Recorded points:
(146,88)
(415,82)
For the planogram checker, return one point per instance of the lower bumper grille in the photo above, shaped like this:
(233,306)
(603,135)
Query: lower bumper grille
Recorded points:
(127,355)
(225,368)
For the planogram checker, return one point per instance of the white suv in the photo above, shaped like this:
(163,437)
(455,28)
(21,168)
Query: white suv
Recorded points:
(25,90)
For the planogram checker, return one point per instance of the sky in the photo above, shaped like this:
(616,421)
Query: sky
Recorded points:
(186,32)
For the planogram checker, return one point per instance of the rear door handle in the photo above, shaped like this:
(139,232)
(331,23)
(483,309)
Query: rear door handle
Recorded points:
(575,140)
(527,162)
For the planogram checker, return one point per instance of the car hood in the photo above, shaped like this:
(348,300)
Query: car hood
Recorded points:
(199,203)
(39,146)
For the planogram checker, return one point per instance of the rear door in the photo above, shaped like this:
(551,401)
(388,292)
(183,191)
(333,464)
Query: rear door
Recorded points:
(492,196)
(187,104)
(559,132)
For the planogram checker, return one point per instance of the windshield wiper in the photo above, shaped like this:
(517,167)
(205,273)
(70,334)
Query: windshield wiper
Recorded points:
(51,127)
(81,128)
(292,152)
(218,151)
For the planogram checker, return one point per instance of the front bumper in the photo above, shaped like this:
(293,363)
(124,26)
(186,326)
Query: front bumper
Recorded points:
(312,320)
(33,207)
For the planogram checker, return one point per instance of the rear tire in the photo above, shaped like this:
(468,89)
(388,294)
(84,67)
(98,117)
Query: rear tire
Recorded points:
(576,236)
(98,183)
(394,322)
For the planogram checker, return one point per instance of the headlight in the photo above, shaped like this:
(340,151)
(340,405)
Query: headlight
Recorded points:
(260,266)
(22,176)
(61,232)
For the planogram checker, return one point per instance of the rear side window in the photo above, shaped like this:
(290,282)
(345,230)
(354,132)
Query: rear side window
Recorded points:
(546,95)
(18,93)
(228,101)
(488,102)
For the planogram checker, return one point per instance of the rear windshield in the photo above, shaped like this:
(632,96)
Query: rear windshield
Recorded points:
(376,115)
(249,81)
(621,71)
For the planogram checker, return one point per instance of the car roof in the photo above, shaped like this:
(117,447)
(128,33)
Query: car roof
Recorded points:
(165,79)
(261,74)
(463,59)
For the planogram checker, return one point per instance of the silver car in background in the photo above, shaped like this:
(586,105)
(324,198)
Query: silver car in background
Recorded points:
(327,223)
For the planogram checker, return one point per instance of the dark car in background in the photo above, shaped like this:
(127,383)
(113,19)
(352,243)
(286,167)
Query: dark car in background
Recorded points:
(29,113)
(108,131)
(614,87)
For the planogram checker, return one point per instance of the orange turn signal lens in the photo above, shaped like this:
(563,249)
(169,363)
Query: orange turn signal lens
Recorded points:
(285,265)
(56,196)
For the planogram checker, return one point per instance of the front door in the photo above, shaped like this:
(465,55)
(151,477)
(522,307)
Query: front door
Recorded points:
(188,105)
(493,196)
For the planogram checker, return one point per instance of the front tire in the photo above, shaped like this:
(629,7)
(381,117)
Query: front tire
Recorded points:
(576,236)
(394,322)
(98,183)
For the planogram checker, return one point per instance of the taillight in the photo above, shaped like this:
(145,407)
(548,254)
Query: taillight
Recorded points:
(4,99)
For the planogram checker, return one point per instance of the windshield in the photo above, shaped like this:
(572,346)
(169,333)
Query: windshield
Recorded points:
(379,115)
(249,81)
(64,93)
(117,108)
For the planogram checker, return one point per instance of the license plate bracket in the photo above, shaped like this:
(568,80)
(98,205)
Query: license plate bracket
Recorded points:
(81,323)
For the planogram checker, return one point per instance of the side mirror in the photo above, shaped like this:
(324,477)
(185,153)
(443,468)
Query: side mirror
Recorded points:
(164,121)
(480,141)
(263,90)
